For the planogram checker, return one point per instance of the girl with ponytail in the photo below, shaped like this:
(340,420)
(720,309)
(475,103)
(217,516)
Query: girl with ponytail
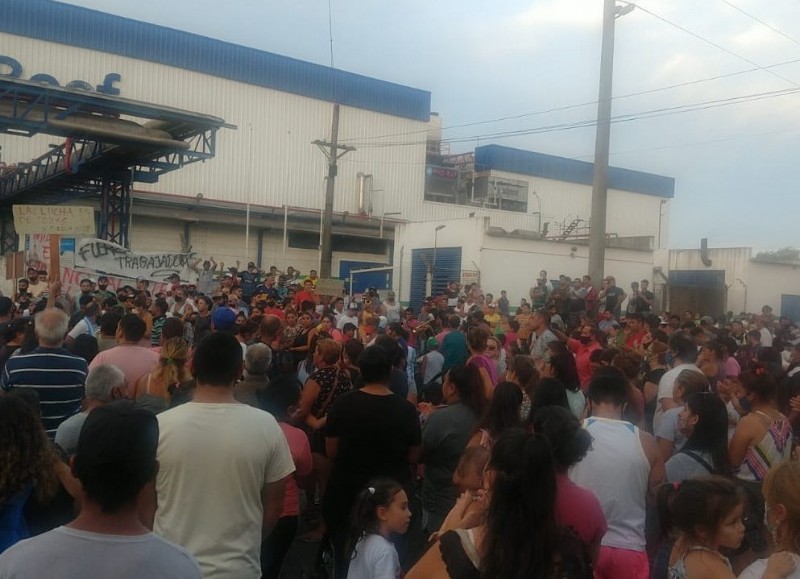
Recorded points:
(380,510)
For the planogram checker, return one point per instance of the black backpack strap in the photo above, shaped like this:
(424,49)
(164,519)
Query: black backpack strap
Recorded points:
(699,459)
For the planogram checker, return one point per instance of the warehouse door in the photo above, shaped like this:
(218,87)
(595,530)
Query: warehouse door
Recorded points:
(447,269)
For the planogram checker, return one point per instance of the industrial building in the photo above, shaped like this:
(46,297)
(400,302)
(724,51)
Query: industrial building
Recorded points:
(259,194)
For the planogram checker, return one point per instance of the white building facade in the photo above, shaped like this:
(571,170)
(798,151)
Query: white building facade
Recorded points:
(508,215)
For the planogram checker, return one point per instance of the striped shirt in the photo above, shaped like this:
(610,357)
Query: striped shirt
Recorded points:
(55,375)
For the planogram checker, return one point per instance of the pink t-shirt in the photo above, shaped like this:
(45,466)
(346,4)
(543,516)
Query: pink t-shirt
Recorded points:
(731,367)
(486,363)
(578,509)
(134,361)
(301,455)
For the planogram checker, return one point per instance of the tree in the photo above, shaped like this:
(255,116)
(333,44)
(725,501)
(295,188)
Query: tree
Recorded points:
(783,255)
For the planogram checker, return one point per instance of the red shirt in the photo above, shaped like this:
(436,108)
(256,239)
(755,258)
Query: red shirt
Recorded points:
(578,509)
(582,354)
(633,340)
(305,296)
(274,312)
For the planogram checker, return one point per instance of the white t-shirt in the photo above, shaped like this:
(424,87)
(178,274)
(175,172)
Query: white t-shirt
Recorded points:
(376,558)
(345,319)
(82,327)
(665,388)
(66,553)
(215,461)
(766,337)
(757,569)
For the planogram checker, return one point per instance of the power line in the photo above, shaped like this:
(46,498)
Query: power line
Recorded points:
(712,43)
(761,22)
(580,105)
(652,113)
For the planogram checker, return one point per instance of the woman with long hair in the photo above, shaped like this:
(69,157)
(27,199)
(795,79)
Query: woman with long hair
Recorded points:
(522,372)
(782,502)
(561,366)
(576,507)
(503,413)
(444,437)
(301,344)
(153,390)
(519,537)
(477,343)
(320,390)
(371,432)
(496,352)
(704,422)
(27,467)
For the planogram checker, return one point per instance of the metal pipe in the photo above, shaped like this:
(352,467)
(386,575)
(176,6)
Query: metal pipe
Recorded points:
(247,231)
(285,227)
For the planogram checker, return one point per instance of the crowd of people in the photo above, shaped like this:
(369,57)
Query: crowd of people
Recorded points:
(203,429)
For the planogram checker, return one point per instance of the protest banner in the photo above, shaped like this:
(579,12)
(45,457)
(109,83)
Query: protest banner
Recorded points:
(112,259)
(71,282)
(329,287)
(55,219)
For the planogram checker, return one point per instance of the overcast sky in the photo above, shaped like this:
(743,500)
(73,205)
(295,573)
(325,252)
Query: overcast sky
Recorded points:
(735,165)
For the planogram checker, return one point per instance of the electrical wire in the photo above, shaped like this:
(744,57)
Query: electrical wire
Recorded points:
(364,139)
(652,113)
(711,43)
(761,22)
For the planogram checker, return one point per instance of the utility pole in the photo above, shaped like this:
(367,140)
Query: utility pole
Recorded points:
(597,234)
(333,151)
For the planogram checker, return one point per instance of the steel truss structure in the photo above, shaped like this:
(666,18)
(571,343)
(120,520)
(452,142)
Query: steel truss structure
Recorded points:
(109,143)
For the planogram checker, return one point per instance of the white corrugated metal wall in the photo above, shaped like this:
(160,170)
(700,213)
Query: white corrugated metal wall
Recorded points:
(269,160)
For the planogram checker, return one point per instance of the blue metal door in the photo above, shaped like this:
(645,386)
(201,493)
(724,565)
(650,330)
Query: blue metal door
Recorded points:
(448,268)
(381,280)
(790,306)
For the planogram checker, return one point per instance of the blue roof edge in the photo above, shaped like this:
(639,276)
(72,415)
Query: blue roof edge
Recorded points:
(523,162)
(86,28)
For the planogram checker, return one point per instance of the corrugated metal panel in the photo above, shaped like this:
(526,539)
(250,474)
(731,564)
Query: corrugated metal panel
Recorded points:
(698,278)
(448,268)
(77,26)
(270,159)
(562,169)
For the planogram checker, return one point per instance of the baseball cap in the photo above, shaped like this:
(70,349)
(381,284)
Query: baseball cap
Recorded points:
(223,319)
(431,343)
(117,437)
(707,320)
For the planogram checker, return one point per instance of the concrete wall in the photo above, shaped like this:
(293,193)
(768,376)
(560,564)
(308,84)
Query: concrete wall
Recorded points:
(509,263)
(766,282)
(226,243)
(629,214)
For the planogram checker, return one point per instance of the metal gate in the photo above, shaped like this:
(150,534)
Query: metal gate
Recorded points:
(381,280)
(447,269)
(699,291)
(790,307)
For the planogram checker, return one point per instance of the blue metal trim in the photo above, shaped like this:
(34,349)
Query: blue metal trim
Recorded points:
(523,162)
(77,26)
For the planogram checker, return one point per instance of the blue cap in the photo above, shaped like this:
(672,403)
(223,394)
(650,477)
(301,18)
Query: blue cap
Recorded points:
(223,319)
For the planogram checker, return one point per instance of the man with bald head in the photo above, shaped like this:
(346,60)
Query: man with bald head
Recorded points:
(50,370)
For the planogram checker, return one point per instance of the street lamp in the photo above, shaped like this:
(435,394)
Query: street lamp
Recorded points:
(435,245)
(383,217)
(597,232)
